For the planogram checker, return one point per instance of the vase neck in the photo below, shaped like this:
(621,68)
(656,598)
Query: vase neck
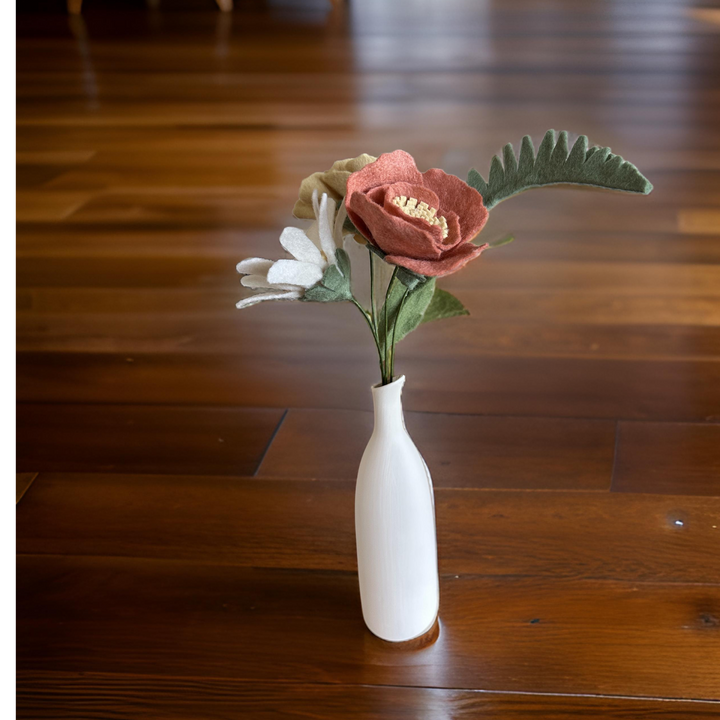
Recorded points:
(387,402)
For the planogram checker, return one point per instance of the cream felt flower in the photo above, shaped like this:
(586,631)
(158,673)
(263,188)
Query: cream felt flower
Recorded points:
(312,250)
(332,181)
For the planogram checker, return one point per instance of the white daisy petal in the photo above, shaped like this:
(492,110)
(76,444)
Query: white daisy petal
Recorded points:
(312,249)
(254,266)
(327,241)
(300,246)
(255,282)
(254,299)
(294,272)
(313,232)
(260,282)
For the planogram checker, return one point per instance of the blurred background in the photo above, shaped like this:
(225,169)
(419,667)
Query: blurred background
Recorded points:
(161,142)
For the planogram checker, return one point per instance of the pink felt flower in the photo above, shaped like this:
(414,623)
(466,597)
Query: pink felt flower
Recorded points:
(422,221)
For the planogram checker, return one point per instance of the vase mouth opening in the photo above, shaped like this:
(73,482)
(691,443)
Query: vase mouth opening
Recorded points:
(398,382)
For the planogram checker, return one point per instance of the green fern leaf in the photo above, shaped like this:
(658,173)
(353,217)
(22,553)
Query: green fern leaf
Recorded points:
(556,164)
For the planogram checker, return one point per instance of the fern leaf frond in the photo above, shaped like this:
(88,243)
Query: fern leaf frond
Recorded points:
(556,164)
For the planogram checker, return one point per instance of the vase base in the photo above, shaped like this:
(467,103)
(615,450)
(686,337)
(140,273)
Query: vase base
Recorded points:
(423,640)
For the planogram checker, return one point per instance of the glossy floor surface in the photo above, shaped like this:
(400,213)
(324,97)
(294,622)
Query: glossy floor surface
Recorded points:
(185,516)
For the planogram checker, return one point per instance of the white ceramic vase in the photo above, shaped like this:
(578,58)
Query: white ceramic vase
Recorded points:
(395,527)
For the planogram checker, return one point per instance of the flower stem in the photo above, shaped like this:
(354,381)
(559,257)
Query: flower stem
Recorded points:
(373,308)
(374,334)
(392,346)
(387,375)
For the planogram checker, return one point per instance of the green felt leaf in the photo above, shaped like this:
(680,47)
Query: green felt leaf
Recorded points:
(502,241)
(343,262)
(411,310)
(335,283)
(443,305)
(409,278)
(556,165)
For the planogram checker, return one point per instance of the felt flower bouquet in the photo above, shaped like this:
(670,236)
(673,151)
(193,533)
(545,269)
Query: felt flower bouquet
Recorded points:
(382,232)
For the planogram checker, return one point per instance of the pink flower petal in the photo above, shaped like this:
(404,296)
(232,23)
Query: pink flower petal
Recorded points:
(393,234)
(454,236)
(397,166)
(459,197)
(393,167)
(451,262)
(421,194)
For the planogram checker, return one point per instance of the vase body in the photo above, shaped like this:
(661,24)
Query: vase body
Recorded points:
(395,527)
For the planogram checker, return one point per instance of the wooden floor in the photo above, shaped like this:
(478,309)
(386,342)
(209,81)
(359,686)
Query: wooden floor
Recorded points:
(185,522)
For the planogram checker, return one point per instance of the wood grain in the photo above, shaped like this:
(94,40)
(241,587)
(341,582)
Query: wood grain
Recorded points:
(134,616)
(42,205)
(495,333)
(296,524)
(462,451)
(630,279)
(676,458)
(699,221)
(143,439)
(559,387)
(64,695)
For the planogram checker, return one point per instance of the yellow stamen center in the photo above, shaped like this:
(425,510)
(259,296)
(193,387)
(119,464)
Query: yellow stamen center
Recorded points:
(413,208)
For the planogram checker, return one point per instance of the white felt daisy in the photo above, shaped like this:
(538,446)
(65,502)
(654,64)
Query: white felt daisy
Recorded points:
(313,250)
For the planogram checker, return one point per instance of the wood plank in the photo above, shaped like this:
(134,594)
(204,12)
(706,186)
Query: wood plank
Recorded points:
(296,524)
(564,86)
(488,273)
(143,438)
(48,206)
(60,695)
(491,308)
(267,206)
(50,157)
(150,617)
(677,458)
(140,175)
(304,55)
(38,175)
(461,450)
(558,387)
(306,147)
(136,172)
(484,334)
(174,239)
(568,323)
(623,278)
(114,200)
